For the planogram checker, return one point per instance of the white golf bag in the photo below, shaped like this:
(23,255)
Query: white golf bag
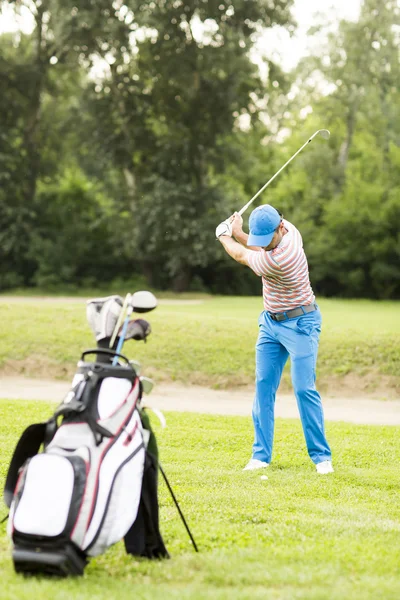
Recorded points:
(83,492)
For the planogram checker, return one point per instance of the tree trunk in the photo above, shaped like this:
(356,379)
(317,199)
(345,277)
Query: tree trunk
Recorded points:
(181,281)
(345,149)
(31,142)
(31,147)
(130,181)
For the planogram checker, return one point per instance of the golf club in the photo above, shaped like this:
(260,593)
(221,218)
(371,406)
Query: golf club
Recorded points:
(123,333)
(137,329)
(120,318)
(322,132)
(139,302)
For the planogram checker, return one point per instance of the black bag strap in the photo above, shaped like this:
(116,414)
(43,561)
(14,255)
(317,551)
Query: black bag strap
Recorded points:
(28,445)
(84,394)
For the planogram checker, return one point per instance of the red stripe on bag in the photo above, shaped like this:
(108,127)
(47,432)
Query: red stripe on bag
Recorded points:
(105,450)
(134,390)
(130,435)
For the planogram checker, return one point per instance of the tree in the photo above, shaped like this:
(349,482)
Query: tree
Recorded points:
(345,197)
(172,108)
(15,211)
(34,68)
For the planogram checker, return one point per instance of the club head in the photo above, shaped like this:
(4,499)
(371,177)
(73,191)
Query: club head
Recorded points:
(147,384)
(324,133)
(143,301)
(135,364)
(137,329)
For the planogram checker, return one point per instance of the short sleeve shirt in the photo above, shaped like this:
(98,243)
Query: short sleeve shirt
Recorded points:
(284,272)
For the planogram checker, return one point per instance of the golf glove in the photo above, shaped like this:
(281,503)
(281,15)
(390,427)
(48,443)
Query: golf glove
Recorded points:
(224,228)
(102,315)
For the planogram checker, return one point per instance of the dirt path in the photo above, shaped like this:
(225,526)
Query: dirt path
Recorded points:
(220,402)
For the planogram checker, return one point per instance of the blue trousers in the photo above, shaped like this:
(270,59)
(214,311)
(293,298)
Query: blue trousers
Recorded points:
(277,340)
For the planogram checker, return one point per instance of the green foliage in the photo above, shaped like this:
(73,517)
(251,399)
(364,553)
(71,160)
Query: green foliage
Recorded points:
(180,130)
(173,229)
(171,108)
(345,196)
(37,71)
(295,535)
(72,239)
(15,213)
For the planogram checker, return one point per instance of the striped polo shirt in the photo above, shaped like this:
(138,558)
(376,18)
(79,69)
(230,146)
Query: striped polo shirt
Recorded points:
(284,272)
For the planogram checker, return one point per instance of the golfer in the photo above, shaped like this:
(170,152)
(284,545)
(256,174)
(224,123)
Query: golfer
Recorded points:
(289,325)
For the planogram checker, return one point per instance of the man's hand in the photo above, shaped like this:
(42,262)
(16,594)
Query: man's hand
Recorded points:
(236,222)
(224,228)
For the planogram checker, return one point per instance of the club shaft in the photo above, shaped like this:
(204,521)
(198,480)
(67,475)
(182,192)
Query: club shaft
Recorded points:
(120,319)
(123,333)
(246,206)
(121,340)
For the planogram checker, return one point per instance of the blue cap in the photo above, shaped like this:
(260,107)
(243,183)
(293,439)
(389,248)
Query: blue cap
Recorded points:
(263,222)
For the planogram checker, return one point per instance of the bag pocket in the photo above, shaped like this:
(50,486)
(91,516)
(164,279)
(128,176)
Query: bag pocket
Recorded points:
(50,495)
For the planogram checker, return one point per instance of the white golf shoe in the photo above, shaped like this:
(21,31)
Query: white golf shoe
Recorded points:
(324,467)
(254,463)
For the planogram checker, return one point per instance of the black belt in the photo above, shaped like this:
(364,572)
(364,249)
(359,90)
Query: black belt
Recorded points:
(295,312)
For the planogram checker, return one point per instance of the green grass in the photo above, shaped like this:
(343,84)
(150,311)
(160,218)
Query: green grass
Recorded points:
(210,343)
(296,536)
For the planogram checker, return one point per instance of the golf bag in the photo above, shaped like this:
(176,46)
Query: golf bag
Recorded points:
(95,481)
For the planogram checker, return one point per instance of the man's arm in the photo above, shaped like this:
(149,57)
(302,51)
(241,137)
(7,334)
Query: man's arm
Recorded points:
(238,233)
(240,236)
(234,249)
(257,261)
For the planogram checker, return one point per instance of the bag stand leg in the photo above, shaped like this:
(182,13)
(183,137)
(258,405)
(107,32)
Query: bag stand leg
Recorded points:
(178,507)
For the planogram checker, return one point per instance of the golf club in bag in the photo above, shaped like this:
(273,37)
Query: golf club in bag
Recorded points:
(95,482)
